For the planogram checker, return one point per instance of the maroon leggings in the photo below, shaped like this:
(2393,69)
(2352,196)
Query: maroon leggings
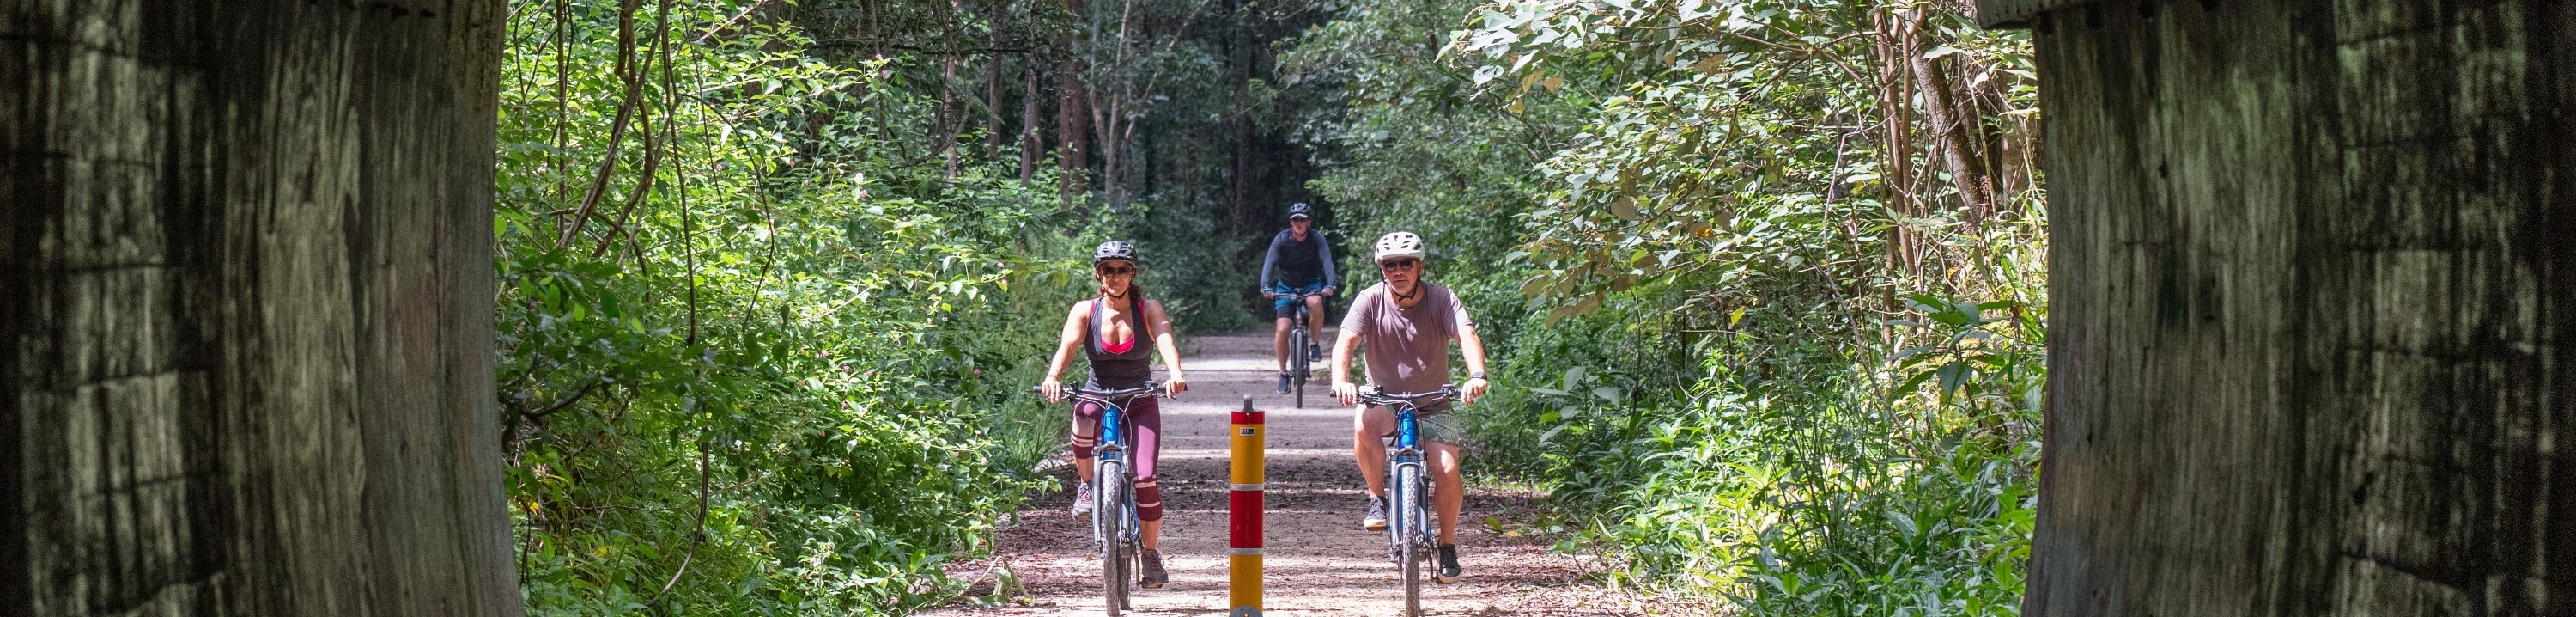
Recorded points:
(1144,435)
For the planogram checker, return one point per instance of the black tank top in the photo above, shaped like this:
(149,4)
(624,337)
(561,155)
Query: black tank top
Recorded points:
(1128,369)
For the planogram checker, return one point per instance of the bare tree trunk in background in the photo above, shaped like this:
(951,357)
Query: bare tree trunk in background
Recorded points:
(2312,293)
(1950,129)
(993,80)
(1030,143)
(1072,113)
(245,317)
(1896,106)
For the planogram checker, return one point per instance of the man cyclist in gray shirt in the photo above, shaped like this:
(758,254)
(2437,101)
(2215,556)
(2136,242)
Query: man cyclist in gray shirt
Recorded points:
(1298,263)
(1407,324)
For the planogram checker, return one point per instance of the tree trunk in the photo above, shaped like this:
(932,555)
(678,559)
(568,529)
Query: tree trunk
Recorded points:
(245,321)
(1030,143)
(1951,122)
(2313,295)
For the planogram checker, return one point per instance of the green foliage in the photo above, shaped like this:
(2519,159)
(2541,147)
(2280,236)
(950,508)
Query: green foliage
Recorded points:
(773,370)
(1747,333)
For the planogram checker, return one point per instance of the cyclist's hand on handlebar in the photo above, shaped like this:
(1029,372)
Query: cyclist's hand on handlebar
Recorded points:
(1475,389)
(1174,387)
(1270,294)
(1052,390)
(1325,292)
(1345,392)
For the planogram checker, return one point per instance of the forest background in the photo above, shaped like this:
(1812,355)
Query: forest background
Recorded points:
(1763,278)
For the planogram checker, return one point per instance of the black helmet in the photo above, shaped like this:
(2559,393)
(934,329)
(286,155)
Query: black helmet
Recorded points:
(1114,250)
(1297,210)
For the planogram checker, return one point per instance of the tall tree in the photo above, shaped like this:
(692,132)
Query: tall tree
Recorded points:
(2313,296)
(245,321)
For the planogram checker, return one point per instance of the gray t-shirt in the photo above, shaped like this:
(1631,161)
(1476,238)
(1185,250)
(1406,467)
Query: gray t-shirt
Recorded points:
(1407,350)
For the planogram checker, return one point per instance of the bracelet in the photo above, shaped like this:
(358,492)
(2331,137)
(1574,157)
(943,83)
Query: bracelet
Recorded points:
(1476,375)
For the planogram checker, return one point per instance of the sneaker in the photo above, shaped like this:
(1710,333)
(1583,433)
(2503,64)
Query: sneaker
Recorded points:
(1448,565)
(1314,352)
(1154,576)
(1081,499)
(1376,518)
(1283,383)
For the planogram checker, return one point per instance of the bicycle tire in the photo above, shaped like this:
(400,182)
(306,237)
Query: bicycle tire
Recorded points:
(1113,554)
(1297,362)
(1408,513)
(1131,563)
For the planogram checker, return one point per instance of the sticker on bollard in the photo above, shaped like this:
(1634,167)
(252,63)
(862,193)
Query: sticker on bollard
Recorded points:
(1244,611)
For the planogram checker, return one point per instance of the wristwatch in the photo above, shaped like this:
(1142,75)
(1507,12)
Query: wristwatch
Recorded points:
(1476,375)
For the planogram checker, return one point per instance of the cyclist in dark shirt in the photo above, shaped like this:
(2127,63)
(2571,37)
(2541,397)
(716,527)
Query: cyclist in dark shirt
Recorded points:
(1298,262)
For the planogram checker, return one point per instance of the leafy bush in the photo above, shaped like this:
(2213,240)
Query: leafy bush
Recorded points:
(754,361)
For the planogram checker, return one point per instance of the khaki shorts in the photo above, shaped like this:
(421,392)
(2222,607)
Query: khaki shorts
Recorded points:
(1435,428)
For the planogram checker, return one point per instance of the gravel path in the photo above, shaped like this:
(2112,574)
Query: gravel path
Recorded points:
(1319,561)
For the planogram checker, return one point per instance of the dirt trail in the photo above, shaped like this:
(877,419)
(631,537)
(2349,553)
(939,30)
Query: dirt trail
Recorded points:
(1319,561)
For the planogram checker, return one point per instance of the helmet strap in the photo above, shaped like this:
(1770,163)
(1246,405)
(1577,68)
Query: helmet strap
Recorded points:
(1402,296)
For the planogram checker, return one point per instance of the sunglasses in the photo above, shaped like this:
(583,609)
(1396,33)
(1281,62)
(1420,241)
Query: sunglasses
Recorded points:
(1116,271)
(1398,265)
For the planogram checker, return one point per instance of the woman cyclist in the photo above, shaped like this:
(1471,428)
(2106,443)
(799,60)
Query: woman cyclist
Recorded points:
(1106,329)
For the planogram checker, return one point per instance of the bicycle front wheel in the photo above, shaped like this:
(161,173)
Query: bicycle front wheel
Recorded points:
(1297,364)
(1109,511)
(1407,512)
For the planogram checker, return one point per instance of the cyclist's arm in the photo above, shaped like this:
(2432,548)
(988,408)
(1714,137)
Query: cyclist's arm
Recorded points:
(1473,347)
(1324,248)
(1270,261)
(1072,340)
(1342,345)
(1160,325)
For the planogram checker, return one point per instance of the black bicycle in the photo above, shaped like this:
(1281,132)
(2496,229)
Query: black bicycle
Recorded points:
(1114,526)
(1411,522)
(1300,366)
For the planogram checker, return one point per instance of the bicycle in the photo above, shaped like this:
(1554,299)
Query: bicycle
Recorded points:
(1300,366)
(1114,526)
(1410,531)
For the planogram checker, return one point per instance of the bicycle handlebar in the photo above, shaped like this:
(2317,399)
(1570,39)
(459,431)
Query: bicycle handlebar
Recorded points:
(1151,388)
(1371,395)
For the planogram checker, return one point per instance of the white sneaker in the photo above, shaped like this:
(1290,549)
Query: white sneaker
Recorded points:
(1081,499)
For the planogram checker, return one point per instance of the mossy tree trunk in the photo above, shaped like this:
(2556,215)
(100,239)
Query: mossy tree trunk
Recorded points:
(245,314)
(2313,278)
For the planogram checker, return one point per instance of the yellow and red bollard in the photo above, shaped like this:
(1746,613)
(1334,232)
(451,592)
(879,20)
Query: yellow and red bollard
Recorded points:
(1245,538)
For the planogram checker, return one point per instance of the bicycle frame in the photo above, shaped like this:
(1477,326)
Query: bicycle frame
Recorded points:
(1117,529)
(1410,530)
(1407,520)
(1299,336)
(1110,457)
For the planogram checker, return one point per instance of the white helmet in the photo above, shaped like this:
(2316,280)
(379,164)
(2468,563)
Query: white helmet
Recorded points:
(1399,244)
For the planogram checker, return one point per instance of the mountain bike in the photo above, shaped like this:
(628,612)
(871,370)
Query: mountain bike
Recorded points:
(1300,366)
(1410,529)
(1114,527)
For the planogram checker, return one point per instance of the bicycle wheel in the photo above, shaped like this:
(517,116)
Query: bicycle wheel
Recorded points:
(1131,567)
(1106,508)
(1297,363)
(1408,513)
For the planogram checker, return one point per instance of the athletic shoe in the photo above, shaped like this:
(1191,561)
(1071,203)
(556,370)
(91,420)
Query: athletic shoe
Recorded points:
(1314,352)
(1081,499)
(1154,576)
(1376,518)
(1283,383)
(1448,564)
